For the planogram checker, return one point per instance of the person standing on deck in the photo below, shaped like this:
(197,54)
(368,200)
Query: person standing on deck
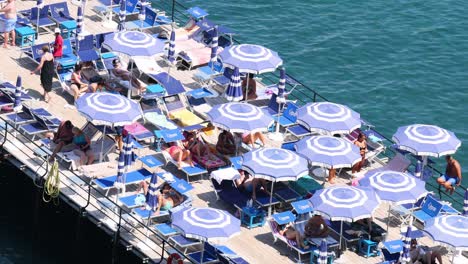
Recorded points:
(46,66)
(452,174)
(9,22)
(58,44)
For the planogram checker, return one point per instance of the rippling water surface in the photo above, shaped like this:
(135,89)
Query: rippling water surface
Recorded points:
(395,62)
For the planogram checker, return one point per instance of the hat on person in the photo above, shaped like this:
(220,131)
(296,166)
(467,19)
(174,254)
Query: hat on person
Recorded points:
(57,31)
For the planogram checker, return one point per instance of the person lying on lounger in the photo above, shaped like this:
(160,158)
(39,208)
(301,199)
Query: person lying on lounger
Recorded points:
(423,254)
(167,199)
(193,143)
(125,75)
(180,153)
(251,138)
(251,185)
(290,233)
(226,144)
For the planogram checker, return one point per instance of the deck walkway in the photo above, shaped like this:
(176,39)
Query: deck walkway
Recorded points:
(255,245)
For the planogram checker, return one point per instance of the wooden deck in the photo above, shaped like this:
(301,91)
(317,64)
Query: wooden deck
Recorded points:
(255,245)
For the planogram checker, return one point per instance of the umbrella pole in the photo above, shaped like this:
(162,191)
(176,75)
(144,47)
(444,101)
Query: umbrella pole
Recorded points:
(102,145)
(388,216)
(203,251)
(247,88)
(271,198)
(341,232)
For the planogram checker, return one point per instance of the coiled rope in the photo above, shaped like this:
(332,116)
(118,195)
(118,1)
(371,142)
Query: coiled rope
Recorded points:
(52,184)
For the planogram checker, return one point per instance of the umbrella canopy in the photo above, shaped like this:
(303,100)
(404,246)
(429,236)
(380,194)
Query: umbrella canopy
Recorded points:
(250,58)
(152,195)
(239,117)
(17,106)
(328,151)
(214,46)
(345,203)
(126,158)
(122,15)
(234,89)
(465,204)
(134,43)
(393,186)
(449,229)
(329,117)
(405,255)
(323,253)
(171,54)
(79,23)
(275,164)
(426,140)
(108,109)
(206,224)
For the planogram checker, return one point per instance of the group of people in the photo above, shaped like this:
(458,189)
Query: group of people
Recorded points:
(71,138)
(316,227)
(168,198)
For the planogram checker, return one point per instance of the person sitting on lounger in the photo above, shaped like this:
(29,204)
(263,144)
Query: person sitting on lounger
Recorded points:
(290,233)
(452,175)
(226,144)
(423,254)
(193,143)
(167,199)
(180,153)
(251,138)
(125,75)
(84,146)
(252,87)
(77,85)
(316,227)
(61,138)
(250,184)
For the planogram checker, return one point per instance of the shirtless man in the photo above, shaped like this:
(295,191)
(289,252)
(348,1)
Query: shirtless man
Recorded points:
(452,174)
(9,22)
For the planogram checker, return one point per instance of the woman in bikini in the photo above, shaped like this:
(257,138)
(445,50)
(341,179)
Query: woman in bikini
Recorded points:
(362,144)
(77,85)
(179,153)
(84,146)
(194,144)
(292,234)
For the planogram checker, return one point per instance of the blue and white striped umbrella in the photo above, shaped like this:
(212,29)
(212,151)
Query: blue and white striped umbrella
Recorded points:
(152,195)
(396,187)
(405,255)
(282,82)
(345,203)
(239,117)
(122,15)
(108,109)
(328,151)
(426,140)
(323,252)
(214,46)
(39,4)
(134,43)
(250,58)
(79,24)
(329,117)
(206,224)
(465,204)
(126,159)
(142,13)
(17,106)
(451,230)
(171,53)
(275,164)
(234,89)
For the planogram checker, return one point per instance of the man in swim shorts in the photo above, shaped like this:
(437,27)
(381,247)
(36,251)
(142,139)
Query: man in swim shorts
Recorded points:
(9,22)
(452,174)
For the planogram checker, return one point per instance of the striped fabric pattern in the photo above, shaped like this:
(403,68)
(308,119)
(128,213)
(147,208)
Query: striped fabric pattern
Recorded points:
(17,106)
(122,15)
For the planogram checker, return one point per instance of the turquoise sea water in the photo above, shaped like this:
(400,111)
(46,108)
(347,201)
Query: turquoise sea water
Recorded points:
(395,62)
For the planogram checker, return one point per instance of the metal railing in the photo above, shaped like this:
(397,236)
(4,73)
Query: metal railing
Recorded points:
(304,94)
(104,211)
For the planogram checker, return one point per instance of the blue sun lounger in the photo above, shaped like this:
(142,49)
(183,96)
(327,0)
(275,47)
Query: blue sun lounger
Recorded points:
(40,18)
(229,256)
(132,177)
(59,12)
(26,116)
(148,22)
(86,51)
(209,254)
(130,7)
(183,243)
(34,52)
(170,84)
(68,59)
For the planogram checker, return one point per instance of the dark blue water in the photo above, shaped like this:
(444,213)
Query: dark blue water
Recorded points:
(51,237)
(395,62)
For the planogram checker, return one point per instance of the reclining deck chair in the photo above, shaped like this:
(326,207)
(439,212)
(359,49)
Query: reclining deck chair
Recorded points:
(69,59)
(209,254)
(148,22)
(86,51)
(429,209)
(229,256)
(34,52)
(130,8)
(59,12)
(40,18)
(132,177)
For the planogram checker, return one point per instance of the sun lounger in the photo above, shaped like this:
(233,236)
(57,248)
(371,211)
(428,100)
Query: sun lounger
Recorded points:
(188,170)
(138,131)
(130,8)
(275,228)
(68,59)
(305,186)
(165,230)
(34,52)
(429,209)
(147,65)
(183,243)
(40,18)
(207,73)
(132,177)
(59,12)
(228,256)
(209,161)
(148,22)
(178,110)
(159,120)
(286,194)
(209,254)
(86,51)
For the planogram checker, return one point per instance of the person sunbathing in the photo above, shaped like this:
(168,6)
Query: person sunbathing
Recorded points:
(193,143)
(83,144)
(62,138)
(226,144)
(422,254)
(125,75)
(292,234)
(251,138)
(251,185)
(316,227)
(180,153)
(77,85)
(167,199)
